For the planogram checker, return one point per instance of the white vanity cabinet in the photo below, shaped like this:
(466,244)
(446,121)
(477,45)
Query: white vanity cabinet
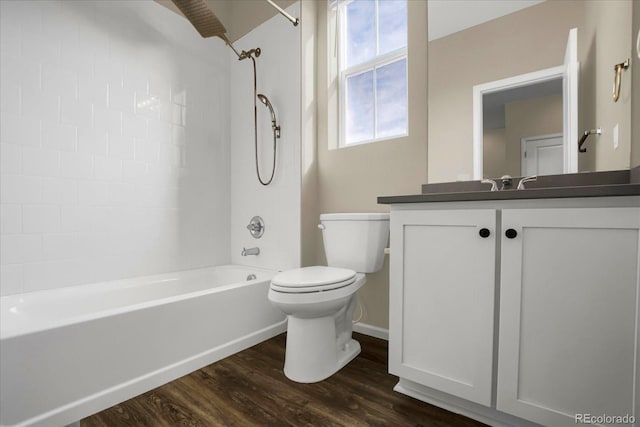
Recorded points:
(568,338)
(442,300)
(535,323)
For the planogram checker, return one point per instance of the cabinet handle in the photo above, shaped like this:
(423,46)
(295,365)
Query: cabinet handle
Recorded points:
(484,233)
(511,233)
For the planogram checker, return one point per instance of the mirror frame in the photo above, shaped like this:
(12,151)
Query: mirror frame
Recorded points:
(479,91)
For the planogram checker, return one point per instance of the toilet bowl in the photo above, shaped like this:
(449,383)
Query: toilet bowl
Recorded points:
(319,301)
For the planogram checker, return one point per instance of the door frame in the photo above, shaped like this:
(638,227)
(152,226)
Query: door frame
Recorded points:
(523,147)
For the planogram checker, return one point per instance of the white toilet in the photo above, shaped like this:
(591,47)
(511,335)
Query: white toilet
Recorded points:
(320,301)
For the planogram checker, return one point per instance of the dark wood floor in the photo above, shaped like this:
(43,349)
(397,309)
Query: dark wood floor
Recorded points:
(250,389)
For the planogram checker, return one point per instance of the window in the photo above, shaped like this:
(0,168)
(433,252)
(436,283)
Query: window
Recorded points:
(372,70)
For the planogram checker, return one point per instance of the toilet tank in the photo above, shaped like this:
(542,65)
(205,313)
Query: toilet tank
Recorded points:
(355,240)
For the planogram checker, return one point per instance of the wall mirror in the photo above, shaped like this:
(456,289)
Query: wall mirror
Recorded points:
(536,77)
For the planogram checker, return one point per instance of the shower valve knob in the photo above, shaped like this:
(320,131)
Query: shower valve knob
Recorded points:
(256,227)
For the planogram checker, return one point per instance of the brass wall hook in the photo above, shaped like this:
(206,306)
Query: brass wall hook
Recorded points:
(617,78)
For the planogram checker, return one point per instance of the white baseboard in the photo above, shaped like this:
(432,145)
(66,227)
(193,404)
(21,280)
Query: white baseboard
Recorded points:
(373,331)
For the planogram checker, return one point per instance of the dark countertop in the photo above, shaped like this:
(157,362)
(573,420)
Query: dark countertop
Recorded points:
(596,184)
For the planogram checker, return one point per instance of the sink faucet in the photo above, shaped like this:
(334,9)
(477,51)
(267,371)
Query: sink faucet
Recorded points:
(526,179)
(494,186)
(250,251)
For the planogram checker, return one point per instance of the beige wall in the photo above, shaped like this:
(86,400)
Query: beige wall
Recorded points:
(529,117)
(494,155)
(529,40)
(606,36)
(524,118)
(635,87)
(536,40)
(350,179)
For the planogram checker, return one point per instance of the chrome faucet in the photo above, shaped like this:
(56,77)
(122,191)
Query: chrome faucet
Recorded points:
(494,186)
(250,251)
(526,179)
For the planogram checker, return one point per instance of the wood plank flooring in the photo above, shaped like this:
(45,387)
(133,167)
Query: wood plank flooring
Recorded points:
(250,389)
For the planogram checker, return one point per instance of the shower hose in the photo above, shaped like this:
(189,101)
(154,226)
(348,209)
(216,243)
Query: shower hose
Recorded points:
(255,131)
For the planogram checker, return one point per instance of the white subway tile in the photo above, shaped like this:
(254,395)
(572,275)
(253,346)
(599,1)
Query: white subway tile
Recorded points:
(10,98)
(92,192)
(20,248)
(37,104)
(58,136)
(92,91)
(20,189)
(121,98)
(179,135)
(60,80)
(30,77)
(11,277)
(134,126)
(106,120)
(40,162)
(146,150)
(160,132)
(120,147)
(121,193)
(134,170)
(92,141)
(40,219)
(59,191)
(109,169)
(10,159)
(180,97)
(16,129)
(58,246)
(55,274)
(176,114)
(75,165)
(84,219)
(76,113)
(10,218)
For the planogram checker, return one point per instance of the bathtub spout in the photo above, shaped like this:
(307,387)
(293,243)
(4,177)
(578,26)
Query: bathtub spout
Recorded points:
(250,251)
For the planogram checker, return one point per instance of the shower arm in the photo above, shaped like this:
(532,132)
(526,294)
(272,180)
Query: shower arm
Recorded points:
(294,21)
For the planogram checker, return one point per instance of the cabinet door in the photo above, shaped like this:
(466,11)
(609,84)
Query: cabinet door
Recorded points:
(442,291)
(568,341)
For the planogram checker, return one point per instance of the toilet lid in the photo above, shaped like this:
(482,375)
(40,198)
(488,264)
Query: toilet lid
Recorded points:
(312,279)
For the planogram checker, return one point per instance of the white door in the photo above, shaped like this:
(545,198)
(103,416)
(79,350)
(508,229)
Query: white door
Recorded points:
(570,103)
(569,295)
(442,300)
(542,155)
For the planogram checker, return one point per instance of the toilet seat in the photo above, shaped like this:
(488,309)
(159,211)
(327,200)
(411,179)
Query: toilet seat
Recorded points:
(312,279)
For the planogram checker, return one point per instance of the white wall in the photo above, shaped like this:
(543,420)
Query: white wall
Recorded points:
(278,70)
(114,136)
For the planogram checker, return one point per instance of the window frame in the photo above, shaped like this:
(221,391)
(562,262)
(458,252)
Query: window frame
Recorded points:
(373,64)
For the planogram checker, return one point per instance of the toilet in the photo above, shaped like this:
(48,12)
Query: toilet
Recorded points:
(319,301)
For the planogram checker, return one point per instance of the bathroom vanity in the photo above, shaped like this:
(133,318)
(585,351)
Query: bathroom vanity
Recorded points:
(518,307)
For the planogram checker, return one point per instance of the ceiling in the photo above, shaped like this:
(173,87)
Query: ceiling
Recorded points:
(450,16)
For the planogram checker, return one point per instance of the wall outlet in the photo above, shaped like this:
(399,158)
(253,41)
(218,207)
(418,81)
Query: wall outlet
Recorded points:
(615,137)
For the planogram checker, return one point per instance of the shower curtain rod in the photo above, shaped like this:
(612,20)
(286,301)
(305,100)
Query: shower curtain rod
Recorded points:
(294,21)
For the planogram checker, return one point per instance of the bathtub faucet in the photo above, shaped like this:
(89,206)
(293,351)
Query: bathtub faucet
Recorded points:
(250,251)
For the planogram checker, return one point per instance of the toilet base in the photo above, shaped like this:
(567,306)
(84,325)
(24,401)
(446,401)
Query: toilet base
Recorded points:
(319,347)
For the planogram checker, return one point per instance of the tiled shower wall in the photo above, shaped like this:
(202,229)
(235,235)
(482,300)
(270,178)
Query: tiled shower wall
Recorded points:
(114,144)
(278,77)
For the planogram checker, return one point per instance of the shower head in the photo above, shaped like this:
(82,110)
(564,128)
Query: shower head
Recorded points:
(266,102)
(202,18)
(274,125)
(207,23)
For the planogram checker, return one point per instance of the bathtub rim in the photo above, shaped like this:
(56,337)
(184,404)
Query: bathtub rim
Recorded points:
(129,282)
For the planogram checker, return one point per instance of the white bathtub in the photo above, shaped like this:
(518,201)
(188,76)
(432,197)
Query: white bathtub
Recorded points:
(71,352)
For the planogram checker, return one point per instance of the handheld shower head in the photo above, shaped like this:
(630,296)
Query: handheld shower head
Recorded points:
(274,125)
(266,102)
